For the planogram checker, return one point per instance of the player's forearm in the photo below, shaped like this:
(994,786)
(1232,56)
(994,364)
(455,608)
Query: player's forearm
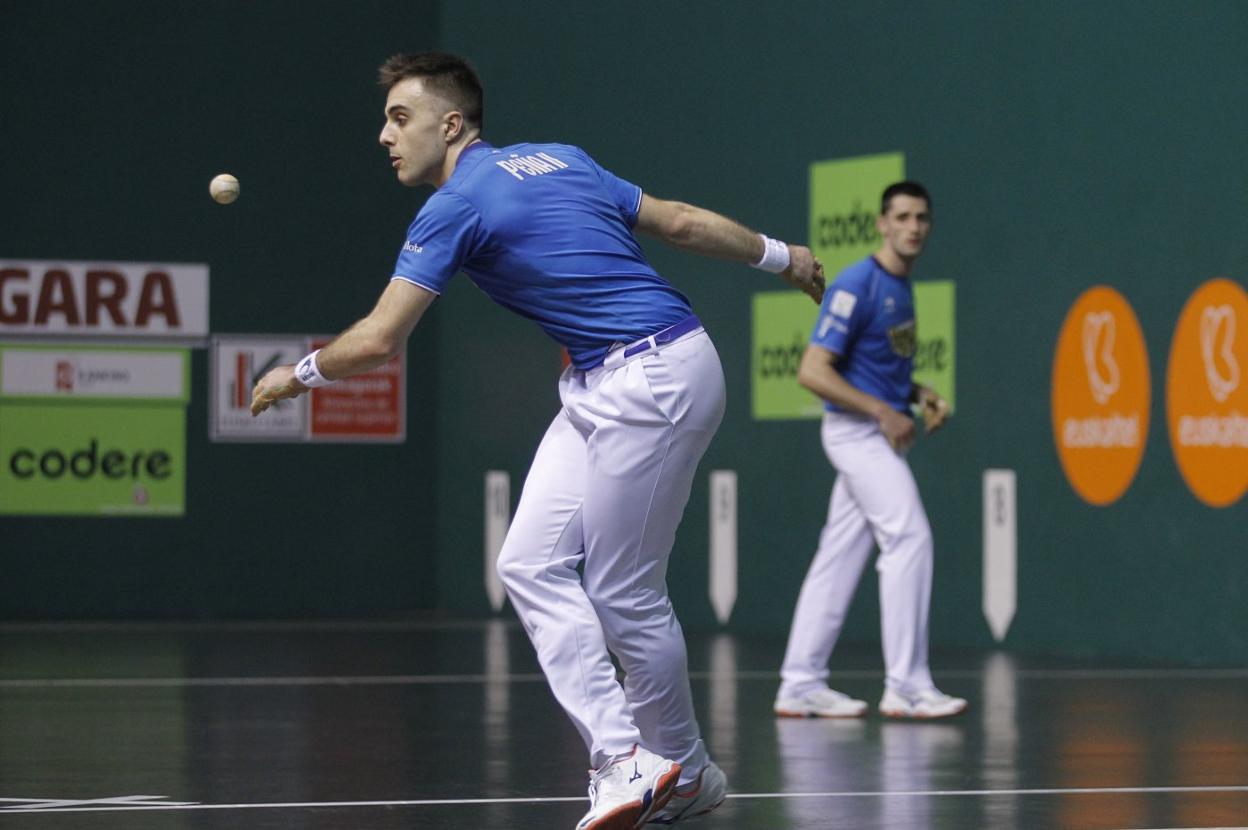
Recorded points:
(708,233)
(841,393)
(821,378)
(379,336)
(359,349)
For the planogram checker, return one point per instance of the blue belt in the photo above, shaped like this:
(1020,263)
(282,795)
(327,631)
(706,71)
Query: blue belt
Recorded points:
(667,335)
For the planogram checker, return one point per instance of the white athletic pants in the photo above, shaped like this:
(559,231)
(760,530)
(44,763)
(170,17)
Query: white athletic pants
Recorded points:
(874,502)
(605,493)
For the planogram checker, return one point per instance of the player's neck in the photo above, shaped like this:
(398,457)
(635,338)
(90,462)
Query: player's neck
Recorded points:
(893,262)
(452,156)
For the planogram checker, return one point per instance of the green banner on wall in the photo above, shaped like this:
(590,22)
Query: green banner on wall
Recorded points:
(844,202)
(782,323)
(92,459)
(935,316)
(88,431)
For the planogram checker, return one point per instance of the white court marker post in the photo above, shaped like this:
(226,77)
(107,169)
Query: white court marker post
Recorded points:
(723,545)
(1000,551)
(497,521)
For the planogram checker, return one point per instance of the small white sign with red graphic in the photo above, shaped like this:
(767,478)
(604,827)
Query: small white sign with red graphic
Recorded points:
(41,372)
(237,363)
(367,407)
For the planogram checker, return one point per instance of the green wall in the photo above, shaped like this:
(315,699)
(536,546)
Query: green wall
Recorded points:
(1066,145)
(114,117)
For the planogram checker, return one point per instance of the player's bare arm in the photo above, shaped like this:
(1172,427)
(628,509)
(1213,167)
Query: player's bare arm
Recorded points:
(364,346)
(817,372)
(710,234)
(935,409)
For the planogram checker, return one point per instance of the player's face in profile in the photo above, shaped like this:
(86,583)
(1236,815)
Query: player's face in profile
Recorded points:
(905,226)
(413,132)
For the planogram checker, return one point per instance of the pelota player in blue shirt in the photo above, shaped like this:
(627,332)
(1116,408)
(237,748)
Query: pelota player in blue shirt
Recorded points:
(548,233)
(859,360)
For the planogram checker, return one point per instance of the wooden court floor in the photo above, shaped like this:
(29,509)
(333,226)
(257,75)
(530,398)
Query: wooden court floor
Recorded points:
(450,725)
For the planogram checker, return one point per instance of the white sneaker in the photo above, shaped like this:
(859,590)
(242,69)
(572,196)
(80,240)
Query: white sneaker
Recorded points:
(931,703)
(821,703)
(626,791)
(696,798)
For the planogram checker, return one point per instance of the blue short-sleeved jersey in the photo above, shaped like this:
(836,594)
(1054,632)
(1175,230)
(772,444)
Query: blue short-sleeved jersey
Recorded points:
(867,319)
(546,232)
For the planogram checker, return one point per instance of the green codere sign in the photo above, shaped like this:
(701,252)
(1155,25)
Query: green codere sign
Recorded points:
(781,327)
(782,324)
(936,316)
(92,431)
(844,201)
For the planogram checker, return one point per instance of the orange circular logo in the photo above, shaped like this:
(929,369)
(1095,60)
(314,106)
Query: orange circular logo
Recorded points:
(1100,395)
(1207,394)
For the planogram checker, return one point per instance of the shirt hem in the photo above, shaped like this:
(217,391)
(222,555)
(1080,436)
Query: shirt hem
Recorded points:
(425,286)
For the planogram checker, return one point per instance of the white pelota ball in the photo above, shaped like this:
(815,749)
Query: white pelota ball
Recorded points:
(224,188)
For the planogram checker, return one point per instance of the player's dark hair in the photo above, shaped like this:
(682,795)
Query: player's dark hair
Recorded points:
(450,76)
(906,188)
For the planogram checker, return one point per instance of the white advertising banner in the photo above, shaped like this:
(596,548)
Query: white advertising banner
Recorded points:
(131,300)
(92,373)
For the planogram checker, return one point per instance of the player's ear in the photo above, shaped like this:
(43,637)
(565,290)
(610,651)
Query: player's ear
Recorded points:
(452,126)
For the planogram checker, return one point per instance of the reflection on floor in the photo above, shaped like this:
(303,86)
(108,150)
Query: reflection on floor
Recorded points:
(432,725)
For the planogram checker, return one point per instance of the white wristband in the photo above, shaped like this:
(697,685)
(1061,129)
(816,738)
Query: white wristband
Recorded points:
(775,255)
(308,374)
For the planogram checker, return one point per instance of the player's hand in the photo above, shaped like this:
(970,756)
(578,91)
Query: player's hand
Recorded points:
(279,383)
(805,273)
(897,428)
(935,409)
